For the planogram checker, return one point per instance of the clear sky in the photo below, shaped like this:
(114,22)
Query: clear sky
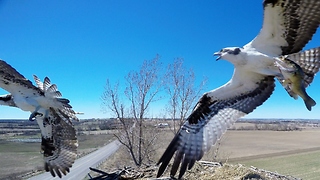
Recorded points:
(79,44)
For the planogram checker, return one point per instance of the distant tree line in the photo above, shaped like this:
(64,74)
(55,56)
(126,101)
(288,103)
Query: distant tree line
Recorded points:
(269,127)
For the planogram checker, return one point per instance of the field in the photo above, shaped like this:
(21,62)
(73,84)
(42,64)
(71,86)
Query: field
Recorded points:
(19,156)
(302,165)
(293,153)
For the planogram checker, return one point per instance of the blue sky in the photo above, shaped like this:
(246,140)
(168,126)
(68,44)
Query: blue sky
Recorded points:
(79,44)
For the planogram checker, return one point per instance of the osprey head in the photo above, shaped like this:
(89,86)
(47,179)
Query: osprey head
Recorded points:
(229,54)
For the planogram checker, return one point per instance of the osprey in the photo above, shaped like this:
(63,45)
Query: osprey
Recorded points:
(28,97)
(287,27)
(53,114)
(59,142)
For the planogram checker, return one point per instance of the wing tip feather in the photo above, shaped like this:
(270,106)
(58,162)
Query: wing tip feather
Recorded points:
(167,155)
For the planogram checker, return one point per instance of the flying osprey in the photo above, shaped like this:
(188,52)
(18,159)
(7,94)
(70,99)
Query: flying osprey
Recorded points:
(59,142)
(287,28)
(52,113)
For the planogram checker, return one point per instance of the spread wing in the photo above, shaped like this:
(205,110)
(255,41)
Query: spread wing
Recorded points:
(59,143)
(288,25)
(12,81)
(45,95)
(7,100)
(215,112)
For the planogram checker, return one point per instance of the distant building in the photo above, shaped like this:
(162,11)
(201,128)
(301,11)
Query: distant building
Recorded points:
(162,125)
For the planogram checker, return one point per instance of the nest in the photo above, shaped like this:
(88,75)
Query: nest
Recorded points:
(202,170)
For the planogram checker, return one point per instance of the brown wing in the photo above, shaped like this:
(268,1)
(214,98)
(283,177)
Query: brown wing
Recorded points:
(59,146)
(210,119)
(288,25)
(10,78)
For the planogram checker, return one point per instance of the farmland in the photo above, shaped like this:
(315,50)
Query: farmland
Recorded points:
(295,152)
(20,145)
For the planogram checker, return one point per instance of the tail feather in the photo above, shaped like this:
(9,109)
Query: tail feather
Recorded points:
(309,102)
(38,82)
(52,88)
(46,83)
(58,94)
(65,102)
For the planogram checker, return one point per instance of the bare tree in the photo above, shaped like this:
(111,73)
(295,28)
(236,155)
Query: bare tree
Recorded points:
(182,92)
(142,88)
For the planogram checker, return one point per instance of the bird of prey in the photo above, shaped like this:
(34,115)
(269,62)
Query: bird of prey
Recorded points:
(28,97)
(53,114)
(59,142)
(287,27)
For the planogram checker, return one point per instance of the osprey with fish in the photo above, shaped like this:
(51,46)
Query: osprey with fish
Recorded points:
(288,25)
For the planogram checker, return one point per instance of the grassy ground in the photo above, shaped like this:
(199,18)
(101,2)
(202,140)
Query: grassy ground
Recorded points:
(18,158)
(237,145)
(301,165)
(294,153)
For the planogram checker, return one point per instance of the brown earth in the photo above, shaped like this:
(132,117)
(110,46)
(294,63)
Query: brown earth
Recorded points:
(234,147)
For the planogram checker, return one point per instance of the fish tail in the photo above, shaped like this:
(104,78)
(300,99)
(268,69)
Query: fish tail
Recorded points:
(309,102)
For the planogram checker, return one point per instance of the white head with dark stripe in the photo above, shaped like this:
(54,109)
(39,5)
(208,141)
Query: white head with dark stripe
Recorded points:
(231,54)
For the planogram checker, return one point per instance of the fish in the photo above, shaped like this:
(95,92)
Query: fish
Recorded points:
(293,80)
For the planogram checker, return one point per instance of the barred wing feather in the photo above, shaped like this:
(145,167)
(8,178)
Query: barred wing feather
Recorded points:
(209,120)
(59,147)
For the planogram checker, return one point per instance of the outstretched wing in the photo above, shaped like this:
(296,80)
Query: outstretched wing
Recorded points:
(7,100)
(215,112)
(12,81)
(288,25)
(45,95)
(59,143)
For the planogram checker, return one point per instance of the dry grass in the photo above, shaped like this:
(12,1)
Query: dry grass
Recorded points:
(230,171)
(302,165)
(243,147)
(19,158)
(201,171)
(294,153)
(239,145)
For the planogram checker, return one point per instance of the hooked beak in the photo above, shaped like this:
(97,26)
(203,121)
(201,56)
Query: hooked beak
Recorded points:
(217,54)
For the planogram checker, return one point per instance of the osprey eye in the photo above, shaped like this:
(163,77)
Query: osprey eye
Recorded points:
(236,51)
